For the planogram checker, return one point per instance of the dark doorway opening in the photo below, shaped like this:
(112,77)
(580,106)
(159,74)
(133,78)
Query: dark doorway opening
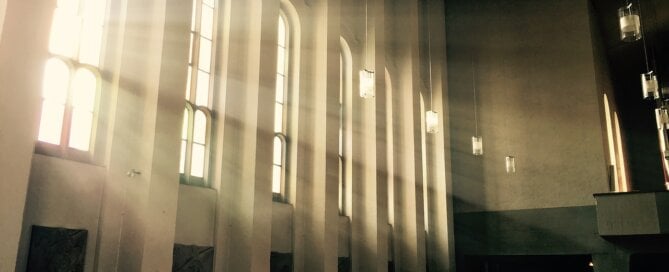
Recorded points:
(528,263)
(649,262)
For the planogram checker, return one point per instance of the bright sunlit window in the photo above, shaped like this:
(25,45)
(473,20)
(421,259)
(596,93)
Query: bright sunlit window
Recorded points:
(279,157)
(340,153)
(71,82)
(195,135)
(618,173)
(345,92)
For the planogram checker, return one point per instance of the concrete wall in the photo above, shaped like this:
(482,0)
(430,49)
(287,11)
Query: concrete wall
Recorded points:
(64,194)
(537,100)
(282,227)
(344,245)
(196,213)
(133,221)
(571,230)
(22,55)
(540,72)
(282,231)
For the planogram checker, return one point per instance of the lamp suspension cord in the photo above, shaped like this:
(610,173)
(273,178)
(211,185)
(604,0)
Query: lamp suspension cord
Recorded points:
(366,45)
(653,60)
(429,54)
(476,122)
(643,36)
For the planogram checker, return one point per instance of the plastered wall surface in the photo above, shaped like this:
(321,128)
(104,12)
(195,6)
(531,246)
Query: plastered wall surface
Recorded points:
(196,213)
(533,66)
(64,194)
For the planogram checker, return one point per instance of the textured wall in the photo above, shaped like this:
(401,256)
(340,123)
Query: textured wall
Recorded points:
(66,194)
(22,56)
(537,101)
(196,213)
(571,230)
(282,227)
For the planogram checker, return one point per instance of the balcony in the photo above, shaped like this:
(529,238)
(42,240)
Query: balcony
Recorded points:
(632,213)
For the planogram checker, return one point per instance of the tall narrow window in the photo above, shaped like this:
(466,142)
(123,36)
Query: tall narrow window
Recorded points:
(340,153)
(621,156)
(423,153)
(71,82)
(345,94)
(279,157)
(617,171)
(610,140)
(196,128)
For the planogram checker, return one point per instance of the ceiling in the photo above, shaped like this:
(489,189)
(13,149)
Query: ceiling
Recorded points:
(626,62)
(627,57)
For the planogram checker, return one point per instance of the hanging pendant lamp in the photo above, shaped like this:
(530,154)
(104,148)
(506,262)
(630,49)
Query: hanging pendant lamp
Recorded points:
(431,116)
(367,86)
(649,85)
(510,164)
(431,121)
(630,23)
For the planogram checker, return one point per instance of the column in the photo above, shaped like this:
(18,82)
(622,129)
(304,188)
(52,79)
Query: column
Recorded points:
(23,54)
(243,228)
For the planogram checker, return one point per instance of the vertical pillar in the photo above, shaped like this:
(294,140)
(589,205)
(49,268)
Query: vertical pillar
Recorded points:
(381,139)
(138,214)
(23,55)
(113,196)
(440,239)
(409,223)
(331,220)
(161,210)
(243,224)
(364,209)
(316,194)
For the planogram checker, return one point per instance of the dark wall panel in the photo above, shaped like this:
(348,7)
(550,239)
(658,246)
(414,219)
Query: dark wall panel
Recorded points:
(569,230)
(189,258)
(57,249)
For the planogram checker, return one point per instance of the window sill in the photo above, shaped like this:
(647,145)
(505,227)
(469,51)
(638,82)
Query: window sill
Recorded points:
(192,181)
(65,153)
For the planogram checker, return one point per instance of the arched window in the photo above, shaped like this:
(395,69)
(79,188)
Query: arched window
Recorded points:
(423,154)
(196,130)
(345,92)
(340,153)
(71,82)
(280,112)
(617,171)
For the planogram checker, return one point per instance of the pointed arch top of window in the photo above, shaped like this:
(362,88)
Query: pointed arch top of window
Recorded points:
(282,30)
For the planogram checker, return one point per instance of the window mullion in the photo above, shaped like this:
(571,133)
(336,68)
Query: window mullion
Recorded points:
(207,141)
(67,124)
(189,145)
(284,147)
(67,113)
(194,67)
